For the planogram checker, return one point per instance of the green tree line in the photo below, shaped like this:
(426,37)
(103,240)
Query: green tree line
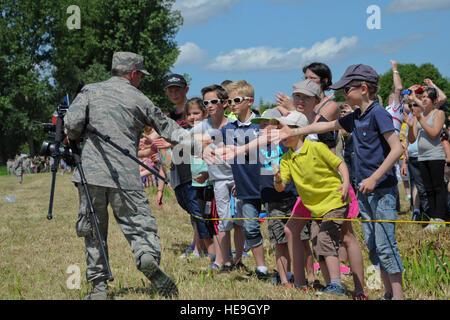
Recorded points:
(42,59)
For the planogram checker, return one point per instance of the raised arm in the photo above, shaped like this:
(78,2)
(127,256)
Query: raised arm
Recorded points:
(441,95)
(398,86)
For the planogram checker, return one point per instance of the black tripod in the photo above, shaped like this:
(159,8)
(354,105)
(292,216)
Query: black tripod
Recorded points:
(72,155)
(77,159)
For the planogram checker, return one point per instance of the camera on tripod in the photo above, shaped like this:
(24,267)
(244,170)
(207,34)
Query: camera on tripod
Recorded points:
(58,146)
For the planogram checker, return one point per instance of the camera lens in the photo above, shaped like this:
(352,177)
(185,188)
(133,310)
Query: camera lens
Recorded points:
(47,148)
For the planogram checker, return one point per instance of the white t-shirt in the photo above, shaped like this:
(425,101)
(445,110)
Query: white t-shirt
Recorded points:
(218,171)
(396,111)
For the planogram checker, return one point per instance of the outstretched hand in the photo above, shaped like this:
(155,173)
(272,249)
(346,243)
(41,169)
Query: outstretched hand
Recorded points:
(209,154)
(202,177)
(227,153)
(283,132)
(160,143)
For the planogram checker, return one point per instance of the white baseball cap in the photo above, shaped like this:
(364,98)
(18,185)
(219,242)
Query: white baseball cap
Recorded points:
(294,118)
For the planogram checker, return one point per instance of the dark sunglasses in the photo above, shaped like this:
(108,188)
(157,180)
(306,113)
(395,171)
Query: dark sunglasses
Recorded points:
(349,86)
(213,101)
(237,100)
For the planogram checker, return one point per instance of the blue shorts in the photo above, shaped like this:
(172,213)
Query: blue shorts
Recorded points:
(380,236)
(186,196)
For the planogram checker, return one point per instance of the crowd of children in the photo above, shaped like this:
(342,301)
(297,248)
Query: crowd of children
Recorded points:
(304,162)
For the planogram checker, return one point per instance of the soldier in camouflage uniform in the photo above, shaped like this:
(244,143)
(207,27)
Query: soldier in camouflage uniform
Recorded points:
(116,108)
(18,168)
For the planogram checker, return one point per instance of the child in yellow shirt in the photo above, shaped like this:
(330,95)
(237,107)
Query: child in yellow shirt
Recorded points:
(314,169)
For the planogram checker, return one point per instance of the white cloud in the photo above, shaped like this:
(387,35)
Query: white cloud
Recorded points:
(406,6)
(197,12)
(191,54)
(267,58)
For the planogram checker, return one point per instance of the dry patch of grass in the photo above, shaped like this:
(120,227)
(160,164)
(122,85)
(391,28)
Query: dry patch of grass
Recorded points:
(36,253)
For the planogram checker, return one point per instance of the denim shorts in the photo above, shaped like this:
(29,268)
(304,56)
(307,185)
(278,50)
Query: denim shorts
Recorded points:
(251,209)
(380,236)
(186,195)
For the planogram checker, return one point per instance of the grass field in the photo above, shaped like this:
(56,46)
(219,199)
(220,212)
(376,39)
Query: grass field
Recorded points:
(40,258)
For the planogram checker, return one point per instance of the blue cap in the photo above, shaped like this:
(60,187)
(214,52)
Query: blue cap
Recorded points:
(360,72)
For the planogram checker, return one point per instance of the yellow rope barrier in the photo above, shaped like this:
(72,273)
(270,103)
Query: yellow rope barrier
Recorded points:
(336,219)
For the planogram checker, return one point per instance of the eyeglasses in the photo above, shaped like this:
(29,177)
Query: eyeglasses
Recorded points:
(349,86)
(237,100)
(213,101)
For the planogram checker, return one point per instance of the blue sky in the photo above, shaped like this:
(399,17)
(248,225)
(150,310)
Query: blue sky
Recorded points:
(267,42)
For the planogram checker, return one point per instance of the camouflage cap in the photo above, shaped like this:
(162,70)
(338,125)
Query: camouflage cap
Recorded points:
(125,62)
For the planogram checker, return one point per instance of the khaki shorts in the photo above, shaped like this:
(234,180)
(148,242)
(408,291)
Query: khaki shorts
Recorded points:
(281,210)
(222,195)
(276,226)
(326,234)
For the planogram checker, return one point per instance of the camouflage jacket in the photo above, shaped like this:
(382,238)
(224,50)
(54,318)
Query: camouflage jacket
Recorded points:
(118,110)
(18,166)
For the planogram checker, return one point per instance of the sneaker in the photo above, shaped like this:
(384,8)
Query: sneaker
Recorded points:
(287,286)
(387,296)
(360,295)
(262,275)
(188,251)
(334,289)
(213,267)
(226,268)
(316,285)
(434,226)
(194,255)
(240,266)
(275,280)
(305,288)
(416,215)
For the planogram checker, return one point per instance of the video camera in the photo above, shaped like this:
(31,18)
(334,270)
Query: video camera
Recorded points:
(419,90)
(57,148)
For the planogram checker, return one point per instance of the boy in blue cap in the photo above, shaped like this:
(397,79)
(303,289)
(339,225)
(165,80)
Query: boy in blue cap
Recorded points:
(377,149)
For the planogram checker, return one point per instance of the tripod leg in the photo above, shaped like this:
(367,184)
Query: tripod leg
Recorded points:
(94,219)
(52,191)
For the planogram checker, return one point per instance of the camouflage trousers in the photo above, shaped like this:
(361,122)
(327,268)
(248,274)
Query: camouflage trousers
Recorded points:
(131,211)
